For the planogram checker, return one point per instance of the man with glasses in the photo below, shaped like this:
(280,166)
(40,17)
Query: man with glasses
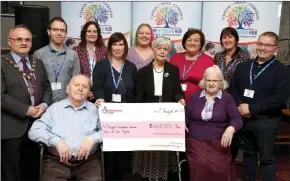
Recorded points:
(25,95)
(260,88)
(61,62)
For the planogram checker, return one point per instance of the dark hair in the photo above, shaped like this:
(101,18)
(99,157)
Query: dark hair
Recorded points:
(99,42)
(271,34)
(116,37)
(69,42)
(230,31)
(56,19)
(209,46)
(190,32)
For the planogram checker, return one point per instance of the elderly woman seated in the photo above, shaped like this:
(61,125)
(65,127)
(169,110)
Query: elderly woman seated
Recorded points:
(212,118)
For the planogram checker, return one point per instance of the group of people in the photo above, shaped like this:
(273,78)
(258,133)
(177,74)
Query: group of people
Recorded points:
(231,102)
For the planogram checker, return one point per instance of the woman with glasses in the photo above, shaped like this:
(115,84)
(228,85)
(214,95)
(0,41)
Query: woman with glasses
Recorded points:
(114,81)
(157,82)
(141,54)
(228,60)
(212,118)
(191,63)
(90,50)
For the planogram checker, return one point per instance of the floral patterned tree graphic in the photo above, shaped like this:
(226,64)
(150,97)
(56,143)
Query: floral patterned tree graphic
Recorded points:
(97,13)
(241,16)
(166,15)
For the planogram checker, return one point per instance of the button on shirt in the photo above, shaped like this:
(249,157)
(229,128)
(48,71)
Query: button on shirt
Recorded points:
(62,121)
(70,68)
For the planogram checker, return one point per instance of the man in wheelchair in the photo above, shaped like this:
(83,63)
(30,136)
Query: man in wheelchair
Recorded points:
(71,131)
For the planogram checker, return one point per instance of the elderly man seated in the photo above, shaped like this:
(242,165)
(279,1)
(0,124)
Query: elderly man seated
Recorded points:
(71,130)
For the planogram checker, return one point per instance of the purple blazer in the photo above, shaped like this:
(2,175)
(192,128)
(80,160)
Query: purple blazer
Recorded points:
(225,113)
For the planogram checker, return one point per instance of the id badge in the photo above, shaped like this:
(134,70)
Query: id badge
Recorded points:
(116,97)
(249,93)
(56,85)
(184,87)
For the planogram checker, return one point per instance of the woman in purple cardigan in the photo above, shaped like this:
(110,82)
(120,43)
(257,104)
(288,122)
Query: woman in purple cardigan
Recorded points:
(212,119)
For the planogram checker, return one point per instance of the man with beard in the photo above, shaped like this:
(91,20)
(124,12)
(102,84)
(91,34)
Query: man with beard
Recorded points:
(260,88)
(61,63)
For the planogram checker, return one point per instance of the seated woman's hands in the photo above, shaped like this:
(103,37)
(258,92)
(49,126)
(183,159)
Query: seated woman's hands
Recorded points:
(227,136)
(182,101)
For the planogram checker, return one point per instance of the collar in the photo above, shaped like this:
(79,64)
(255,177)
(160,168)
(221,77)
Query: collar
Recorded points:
(68,104)
(265,63)
(58,52)
(18,58)
(218,95)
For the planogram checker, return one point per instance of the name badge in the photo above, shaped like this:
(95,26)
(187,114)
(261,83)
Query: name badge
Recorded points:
(249,93)
(116,97)
(56,85)
(184,87)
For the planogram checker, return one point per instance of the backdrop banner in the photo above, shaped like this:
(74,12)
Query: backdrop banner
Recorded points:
(111,16)
(250,19)
(169,19)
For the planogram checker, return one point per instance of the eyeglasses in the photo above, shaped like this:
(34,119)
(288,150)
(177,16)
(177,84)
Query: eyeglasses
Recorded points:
(167,38)
(58,30)
(20,40)
(212,81)
(266,45)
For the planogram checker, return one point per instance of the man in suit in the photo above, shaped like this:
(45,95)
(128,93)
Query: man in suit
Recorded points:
(25,95)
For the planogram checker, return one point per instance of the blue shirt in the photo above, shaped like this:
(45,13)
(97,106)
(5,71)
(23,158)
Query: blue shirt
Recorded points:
(62,121)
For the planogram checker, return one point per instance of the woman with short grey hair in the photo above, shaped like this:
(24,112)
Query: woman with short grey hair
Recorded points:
(157,82)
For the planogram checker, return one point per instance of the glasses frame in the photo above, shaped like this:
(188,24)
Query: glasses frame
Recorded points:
(20,40)
(167,38)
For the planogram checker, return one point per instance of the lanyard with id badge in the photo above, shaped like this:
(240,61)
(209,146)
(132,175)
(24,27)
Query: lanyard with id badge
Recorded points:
(91,63)
(56,85)
(226,69)
(248,92)
(185,72)
(116,97)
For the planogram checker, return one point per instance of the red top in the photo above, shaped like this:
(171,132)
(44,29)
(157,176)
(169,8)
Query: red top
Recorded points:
(193,77)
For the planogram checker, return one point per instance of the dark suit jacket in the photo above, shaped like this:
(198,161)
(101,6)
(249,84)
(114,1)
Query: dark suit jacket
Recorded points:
(171,88)
(15,99)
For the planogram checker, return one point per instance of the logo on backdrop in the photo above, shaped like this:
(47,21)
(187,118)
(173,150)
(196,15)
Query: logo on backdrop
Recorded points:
(166,17)
(101,13)
(241,16)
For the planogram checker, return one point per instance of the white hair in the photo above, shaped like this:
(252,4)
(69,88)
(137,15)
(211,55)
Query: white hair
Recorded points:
(214,69)
(161,41)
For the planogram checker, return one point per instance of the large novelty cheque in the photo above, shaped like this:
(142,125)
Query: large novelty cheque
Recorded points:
(143,126)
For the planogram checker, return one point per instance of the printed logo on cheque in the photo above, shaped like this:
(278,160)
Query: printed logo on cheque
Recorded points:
(166,17)
(241,16)
(101,13)
(105,110)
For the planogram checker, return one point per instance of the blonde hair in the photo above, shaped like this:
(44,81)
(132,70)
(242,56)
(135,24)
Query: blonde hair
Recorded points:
(136,34)
(214,69)
(161,41)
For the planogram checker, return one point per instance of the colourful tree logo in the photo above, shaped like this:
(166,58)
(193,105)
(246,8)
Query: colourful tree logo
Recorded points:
(96,12)
(167,16)
(240,16)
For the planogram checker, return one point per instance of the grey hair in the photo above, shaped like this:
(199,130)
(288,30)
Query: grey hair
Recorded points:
(216,69)
(80,75)
(161,41)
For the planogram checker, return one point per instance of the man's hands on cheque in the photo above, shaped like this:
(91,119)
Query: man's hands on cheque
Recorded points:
(227,136)
(64,151)
(85,148)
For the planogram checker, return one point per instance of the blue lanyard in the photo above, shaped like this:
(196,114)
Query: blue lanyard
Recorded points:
(185,72)
(113,75)
(232,63)
(56,72)
(91,63)
(251,75)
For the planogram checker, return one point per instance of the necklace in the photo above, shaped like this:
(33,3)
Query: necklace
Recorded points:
(157,71)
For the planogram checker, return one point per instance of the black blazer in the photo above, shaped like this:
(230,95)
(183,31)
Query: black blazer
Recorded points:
(103,86)
(171,88)
(15,99)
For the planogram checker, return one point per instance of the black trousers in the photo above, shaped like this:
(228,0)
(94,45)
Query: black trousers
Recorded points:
(235,146)
(20,159)
(258,137)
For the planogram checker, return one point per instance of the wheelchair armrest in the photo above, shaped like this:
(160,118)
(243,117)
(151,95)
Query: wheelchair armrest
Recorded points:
(41,144)
(101,146)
